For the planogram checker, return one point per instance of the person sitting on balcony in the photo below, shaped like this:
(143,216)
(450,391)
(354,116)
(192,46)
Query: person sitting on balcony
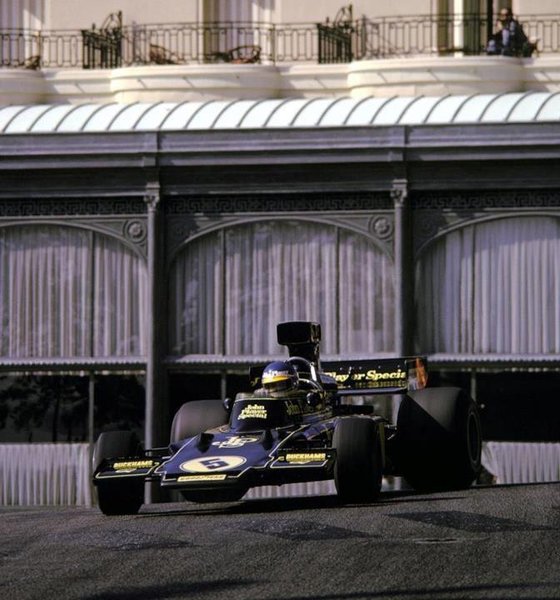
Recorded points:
(509,39)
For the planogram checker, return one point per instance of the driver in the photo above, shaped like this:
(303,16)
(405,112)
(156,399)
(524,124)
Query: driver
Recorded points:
(279,379)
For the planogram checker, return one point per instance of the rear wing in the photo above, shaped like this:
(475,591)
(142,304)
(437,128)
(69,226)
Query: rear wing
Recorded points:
(381,376)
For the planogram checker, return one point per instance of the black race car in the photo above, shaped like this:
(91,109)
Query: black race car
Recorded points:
(218,450)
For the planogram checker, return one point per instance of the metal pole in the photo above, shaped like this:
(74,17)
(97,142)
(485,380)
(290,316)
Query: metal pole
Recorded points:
(489,19)
(152,422)
(91,410)
(403,277)
(91,426)
(403,269)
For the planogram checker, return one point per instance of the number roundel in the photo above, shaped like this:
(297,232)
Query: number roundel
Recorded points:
(211,464)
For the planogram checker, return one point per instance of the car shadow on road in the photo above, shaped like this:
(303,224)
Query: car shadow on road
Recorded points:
(286,504)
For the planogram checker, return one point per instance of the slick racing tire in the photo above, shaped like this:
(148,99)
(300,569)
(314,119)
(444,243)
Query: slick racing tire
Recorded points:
(359,463)
(196,417)
(439,439)
(118,497)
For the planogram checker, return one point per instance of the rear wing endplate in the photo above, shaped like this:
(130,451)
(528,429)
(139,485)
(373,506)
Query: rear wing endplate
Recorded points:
(381,376)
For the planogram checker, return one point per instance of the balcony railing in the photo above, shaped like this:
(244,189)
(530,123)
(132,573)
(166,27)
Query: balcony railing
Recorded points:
(194,43)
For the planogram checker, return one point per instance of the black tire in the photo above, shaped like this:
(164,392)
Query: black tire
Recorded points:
(359,463)
(439,439)
(118,497)
(196,417)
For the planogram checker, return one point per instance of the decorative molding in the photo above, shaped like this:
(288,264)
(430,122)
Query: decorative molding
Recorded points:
(64,207)
(135,231)
(182,229)
(437,213)
(369,214)
(152,196)
(249,203)
(382,227)
(487,200)
(399,192)
(131,232)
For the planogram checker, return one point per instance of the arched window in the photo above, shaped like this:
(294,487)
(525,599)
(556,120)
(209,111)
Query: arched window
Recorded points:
(230,288)
(69,292)
(492,287)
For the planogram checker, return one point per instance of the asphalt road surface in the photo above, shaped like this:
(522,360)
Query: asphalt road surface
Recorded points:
(486,542)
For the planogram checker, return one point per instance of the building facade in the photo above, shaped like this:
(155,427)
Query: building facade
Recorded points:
(158,220)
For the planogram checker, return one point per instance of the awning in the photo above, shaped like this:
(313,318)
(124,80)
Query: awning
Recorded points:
(524,107)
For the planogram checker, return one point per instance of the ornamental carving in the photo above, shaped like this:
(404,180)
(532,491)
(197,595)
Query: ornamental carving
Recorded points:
(487,200)
(399,192)
(245,203)
(135,231)
(382,227)
(152,196)
(435,213)
(131,232)
(14,208)
(183,228)
(367,213)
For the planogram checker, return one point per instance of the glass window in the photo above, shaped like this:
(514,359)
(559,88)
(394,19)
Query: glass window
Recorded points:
(55,408)
(119,403)
(493,287)
(68,292)
(36,408)
(229,289)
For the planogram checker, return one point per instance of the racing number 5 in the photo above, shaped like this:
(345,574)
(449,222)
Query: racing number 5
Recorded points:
(214,463)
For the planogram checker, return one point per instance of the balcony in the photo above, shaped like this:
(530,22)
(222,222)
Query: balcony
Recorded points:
(115,45)
(346,57)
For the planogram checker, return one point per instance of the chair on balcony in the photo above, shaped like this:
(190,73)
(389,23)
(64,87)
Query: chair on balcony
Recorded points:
(33,63)
(159,55)
(241,55)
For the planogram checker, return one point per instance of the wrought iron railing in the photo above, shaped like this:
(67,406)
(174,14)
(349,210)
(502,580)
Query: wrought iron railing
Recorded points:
(102,48)
(194,43)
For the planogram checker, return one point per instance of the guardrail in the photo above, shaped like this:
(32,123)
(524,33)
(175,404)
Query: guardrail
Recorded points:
(59,474)
(45,474)
(187,43)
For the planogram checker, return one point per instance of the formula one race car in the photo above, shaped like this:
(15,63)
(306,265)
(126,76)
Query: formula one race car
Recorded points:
(299,424)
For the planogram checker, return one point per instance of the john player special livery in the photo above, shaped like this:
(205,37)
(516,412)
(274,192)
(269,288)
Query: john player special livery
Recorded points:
(299,424)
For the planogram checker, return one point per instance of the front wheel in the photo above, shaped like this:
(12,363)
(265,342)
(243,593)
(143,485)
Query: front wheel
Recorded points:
(359,463)
(118,496)
(197,417)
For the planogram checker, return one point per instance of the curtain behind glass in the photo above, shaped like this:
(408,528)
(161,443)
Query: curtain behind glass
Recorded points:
(277,272)
(51,287)
(492,287)
(45,298)
(120,311)
(229,290)
(195,298)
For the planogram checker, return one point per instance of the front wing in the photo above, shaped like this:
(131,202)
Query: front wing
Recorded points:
(253,463)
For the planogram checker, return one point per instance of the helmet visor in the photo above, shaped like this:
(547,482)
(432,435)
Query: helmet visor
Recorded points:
(278,385)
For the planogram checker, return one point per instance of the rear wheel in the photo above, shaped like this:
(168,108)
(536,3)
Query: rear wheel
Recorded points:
(359,464)
(118,496)
(439,439)
(196,417)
